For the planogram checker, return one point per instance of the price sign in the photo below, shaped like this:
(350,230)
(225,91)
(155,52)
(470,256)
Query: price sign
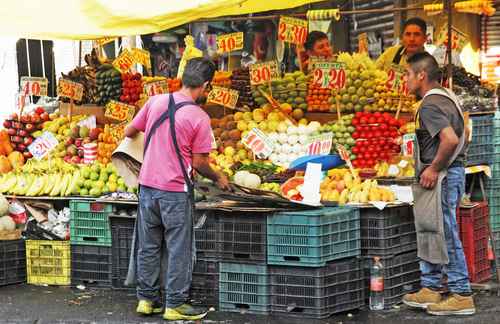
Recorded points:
(119,111)
(344,155)
(142,57)
(408,145)
(124,62)
(230,42)
(396,80)
(258,143)
(363,43)
(223,96)
(329,75)
(104,41)
(154,88)
(43,145)
(263,72)
(32,86)
(319,145)
(292,30)
(70,89)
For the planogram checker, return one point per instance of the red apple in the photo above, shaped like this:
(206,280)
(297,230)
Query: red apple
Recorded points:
(21,147)
(28,140)
(25,119)
(14,116)
(30,127)
(22,132)
(39,110)
(27,155)
(69,141)
(45,116)
(11,131)
(78,142)
(67,159)
(7,124)
(76,160)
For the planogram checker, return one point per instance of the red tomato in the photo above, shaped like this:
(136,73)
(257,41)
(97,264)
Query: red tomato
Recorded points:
(383,127)
(372,120)
(355,135)
(371,148)
(377,134)
(356,150)
(380,120)
(377,114)
(363,120)
(355,122)
(358,114)
(393,134)
(386,133)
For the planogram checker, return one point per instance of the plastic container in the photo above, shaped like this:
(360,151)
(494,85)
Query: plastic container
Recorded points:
(376,301)
(122,232)
(91,265)
(207,236)
(205,285)
(12,262)
(314,237)
(48,262)
(480,150)
(89,224)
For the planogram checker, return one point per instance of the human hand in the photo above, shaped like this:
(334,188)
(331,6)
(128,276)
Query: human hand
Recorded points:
(429,177)
(223,183)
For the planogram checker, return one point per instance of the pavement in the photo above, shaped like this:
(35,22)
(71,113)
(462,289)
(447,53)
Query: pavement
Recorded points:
(44,305)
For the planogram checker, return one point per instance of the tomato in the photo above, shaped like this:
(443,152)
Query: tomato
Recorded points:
(355,135)
(372,120)
(355,121)
(380,120)
(393,134)
(383,127)
(393,122)
(370,163)
(363,120)
(371,148)
(386,133)
(358,115)
(377,114)
(361,163)
(355,150)
(377,134)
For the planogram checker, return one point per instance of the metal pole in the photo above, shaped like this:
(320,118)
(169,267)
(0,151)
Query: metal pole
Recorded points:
(28,56)
(79,53)
(43,59)
(449,44)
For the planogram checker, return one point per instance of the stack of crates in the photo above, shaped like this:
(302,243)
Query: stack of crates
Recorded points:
(122,233)
(12,262)
(90,235)
(480,150)
(493,190)
(390,234)
(48,262)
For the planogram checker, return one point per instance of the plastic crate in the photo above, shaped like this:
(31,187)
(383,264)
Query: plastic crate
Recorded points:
(122,232)
(317,292)
(243,287)
(243,237)
(401,276)
(205,285)
(89,224)
(12,262)
(496,247)
(48,262)
(387,232)
(480,150)
(314,237)
(206,237)
(91,265)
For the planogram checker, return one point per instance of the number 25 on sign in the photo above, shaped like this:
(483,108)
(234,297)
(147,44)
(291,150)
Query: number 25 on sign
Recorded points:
(329,75)
(223,96)
(70,89)
(396,80)
(292,30)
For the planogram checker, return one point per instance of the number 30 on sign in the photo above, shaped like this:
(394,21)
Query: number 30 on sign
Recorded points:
(223,96)
(263,72)
(292,30)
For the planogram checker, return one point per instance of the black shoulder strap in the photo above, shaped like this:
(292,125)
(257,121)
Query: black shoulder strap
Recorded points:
(398,56)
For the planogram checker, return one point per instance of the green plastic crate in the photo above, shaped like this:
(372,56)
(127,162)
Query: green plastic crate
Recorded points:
(89,224)
(243,287)
(313,238)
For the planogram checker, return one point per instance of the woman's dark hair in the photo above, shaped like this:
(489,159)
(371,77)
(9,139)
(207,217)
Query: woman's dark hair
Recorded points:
(416,21)
(427,63)
(198,71)
(312,38)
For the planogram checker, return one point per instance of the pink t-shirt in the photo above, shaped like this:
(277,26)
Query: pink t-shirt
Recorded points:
(161,169)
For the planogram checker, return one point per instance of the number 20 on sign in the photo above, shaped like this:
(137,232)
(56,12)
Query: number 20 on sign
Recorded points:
(223,96)
(329,75)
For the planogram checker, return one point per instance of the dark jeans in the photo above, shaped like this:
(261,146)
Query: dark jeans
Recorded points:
(164,216)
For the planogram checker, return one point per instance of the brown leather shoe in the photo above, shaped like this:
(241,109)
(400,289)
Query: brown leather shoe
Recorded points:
(422,299)
(453,305)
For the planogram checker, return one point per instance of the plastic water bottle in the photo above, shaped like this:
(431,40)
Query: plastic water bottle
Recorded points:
(376,285)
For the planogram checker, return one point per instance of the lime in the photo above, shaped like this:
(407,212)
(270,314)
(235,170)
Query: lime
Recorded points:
(94,176)
(84,192)
(88,183)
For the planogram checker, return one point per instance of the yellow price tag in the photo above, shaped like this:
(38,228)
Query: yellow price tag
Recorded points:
(119,111)
(263,72)
(34,86)
(292,30)
(70,89)
(104,41)
(124,61)
(142,57)
(223,96)
(154,88)
(230,42)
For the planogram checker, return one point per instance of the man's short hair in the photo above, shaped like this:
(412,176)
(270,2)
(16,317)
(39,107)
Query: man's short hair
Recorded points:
(416,21)
(425,62)
(312,38)
(198,71)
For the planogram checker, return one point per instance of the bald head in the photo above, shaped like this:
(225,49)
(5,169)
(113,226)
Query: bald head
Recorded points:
(424,62)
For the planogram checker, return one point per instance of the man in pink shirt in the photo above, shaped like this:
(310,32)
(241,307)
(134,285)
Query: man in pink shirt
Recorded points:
(165,199)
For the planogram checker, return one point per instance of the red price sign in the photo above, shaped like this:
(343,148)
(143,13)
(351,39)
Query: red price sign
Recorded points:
(263,72)
(344,155)
(396,80)
(230,42)
(223,96)
(124,62)
(156,87)
(119,111)
(258,142)
(70,89)
(32,86)
(292,30)
(319,145)
(43,145)
(329,75)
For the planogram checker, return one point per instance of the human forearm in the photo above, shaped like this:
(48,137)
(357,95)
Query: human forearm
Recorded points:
(448,143)
(206,170)
(130,131)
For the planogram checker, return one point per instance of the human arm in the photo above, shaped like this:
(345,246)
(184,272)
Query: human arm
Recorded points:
(139,122)
(131,131)
(202,166)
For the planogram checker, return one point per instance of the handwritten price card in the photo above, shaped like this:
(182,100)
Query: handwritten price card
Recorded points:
(292,30)
(258,143)
(223,96)
(119,111)
(33,86)
(230,42)
(43,145)
(263,72)
(70,89)
(156,87)
(124,61)
(396,80)
(329,75)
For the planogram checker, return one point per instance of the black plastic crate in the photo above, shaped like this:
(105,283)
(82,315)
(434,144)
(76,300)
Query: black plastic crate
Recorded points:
(243,237)
(12,262)
(91,265)
(387,232)
(205,284)
(317,292)
(122,232)
(206,236)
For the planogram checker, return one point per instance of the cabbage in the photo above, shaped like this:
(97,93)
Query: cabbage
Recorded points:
(7,223)
(4,206)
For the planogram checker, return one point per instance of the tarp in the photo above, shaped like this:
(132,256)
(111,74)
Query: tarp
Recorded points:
(92,19)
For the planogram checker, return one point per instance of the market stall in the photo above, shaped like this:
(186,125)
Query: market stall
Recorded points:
(321,156)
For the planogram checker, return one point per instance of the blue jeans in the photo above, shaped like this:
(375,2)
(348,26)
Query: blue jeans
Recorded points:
(164,217)
(458,277)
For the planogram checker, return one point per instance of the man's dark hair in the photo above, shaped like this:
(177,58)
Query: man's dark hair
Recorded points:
(416,21)
(425,62)
(198,71)
(312,38)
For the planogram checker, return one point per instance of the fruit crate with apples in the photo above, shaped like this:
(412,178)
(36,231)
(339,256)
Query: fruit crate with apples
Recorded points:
(122,232)
(91,265)
(89,224)
(243,287)
(48,262)
(473,226)
(12,262)
(205,284)
(387,232)
(314,237)
(401,276)
(206,235)
(480,150)
(317,292)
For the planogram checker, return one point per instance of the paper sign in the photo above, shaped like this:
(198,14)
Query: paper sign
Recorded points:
(104,41)
(33,86)
(292,30)
(230,42)
(261,145)
(124,62)
(223,96)
(408,146)
(396,80)
(363,43)
(344,155)
(459,39)
(43,145)
(70,89)
(329,75)
(263,72)
(154,88)
(142,57)
(319,145)
(89,122)
(119,111)
(312,181)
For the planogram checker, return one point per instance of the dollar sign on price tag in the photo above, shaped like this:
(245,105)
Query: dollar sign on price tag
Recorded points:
(230,42)
(43,145)
(329,75)
(258,143)
(70,89)
(292,30)
(223,96)
(262,73)
(119,111)
(33,86)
